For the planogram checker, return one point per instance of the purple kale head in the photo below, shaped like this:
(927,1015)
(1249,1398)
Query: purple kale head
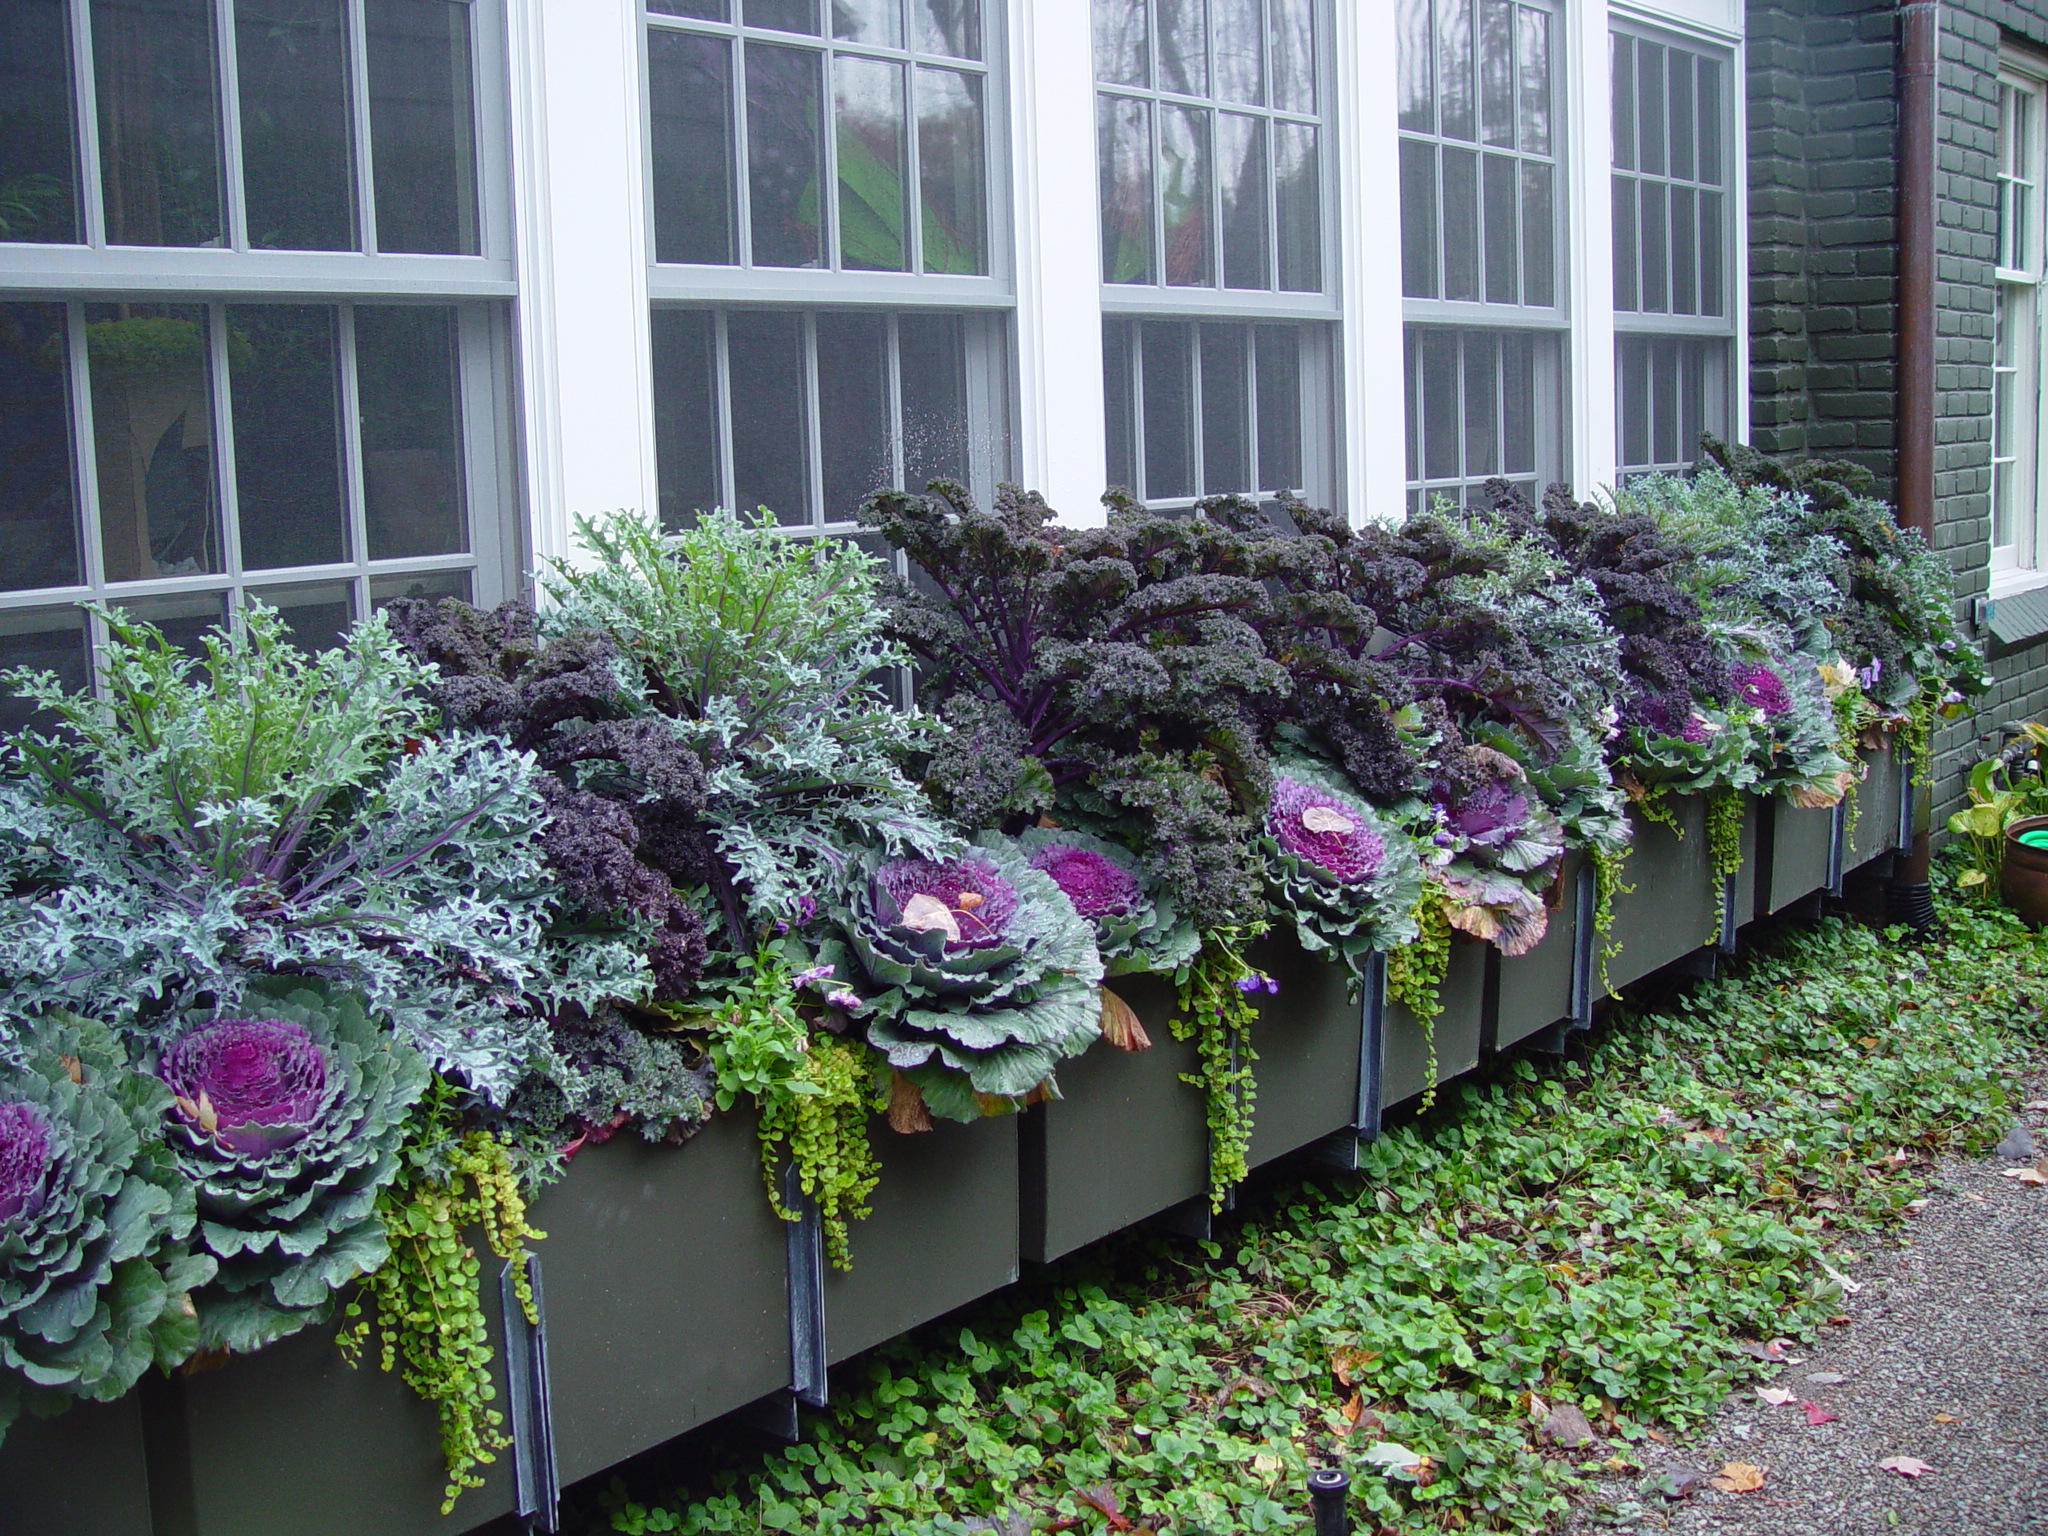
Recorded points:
(1321,830)
(968,898)
(24,1160)
(1760,688)
(1097,885)
(254,1085)
(1494,808)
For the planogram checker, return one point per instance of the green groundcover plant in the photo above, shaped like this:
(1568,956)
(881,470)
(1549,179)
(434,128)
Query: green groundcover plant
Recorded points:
(1608,1232)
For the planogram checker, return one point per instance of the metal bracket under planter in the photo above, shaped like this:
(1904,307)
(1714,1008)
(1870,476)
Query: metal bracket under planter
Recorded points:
(537,1488)
(1906,806)
(806,1243)
(1838,848)
(1585,947)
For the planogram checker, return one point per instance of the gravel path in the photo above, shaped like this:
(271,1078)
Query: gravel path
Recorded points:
(1944,1359)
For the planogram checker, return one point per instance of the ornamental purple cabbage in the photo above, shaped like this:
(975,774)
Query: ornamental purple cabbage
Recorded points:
(1761,688)
(1096,885)
(1488,811)
(1321,830)
(262,1082)
(24,1159)
(979,901)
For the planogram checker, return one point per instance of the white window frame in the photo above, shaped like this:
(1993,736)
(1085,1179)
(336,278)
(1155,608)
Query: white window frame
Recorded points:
(987,302)
(94,271)
(1321,353)
(2015,490)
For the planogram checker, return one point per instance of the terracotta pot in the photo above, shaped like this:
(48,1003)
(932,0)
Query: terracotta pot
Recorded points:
(2023,875)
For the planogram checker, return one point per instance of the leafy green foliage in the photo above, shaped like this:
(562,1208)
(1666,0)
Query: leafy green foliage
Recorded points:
(195,825)
(990,1017)
(425,1305)
(96,1274)
(289,1210)
(2000,790)
(1604,1232)
(1216,1011)
(764,652)
(814,1093)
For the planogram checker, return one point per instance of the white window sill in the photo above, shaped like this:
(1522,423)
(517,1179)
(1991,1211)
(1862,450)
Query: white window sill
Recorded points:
(2015,583)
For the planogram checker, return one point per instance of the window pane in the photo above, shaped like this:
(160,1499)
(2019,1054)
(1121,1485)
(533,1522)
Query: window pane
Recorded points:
(38,489)
(1650,107)
(1626,240)
(159,123)
(1226,410)
(1183,47)
(1124,136)
(428,584)
(932,352)
(1684,251)
(784,15)
(699,10)
(783,148)
(1240,51)
(1116,395)
(1518,403)
(406,385)
(872,147)
(1461,224)
(1454,69)
(316,614)
(1241,149)
(1501,187)
(291,62)
(1497,72)
(1418,219)
(1416,66)
(1683,137)
(38,168)
(1624,102)
(1634,400)
(685,414)
(1664,401)
(1539,238)
(1442,457)
(185,619)
(770,464)
(1184,192)
(1279,381)
(1169,409)
(284,381)
(1713,301)
(1298,206)
(950,161)
(1120,42)
(422,133)
(869,21)
(689,83)
(1294,54)
(152,409)
(1482,405)
(1535,93)
(1710,122)
(951,27)
(49,640)
(853,410)
(1413,396)
(1656,267)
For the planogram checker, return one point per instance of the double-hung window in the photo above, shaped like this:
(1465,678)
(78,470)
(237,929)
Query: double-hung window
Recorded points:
(2016,550)
(252,267)
(1674,234)
(1212,143)
(1482,263)
(829,270)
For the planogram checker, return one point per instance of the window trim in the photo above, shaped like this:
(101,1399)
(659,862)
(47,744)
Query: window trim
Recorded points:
(2016,565)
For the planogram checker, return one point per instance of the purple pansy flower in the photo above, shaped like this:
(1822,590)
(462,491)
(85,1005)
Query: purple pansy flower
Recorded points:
(1321,830)
(1098,886)
(24,1160)
(254,1085)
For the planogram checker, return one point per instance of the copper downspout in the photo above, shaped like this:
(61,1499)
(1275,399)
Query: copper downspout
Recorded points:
(1919,55)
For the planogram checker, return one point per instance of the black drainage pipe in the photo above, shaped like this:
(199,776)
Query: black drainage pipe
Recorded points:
(1330,1490)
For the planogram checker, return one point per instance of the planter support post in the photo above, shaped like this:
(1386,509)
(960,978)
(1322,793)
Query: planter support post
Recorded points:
(1838,846)
(1372,1049)
(806,1240)
(1585,946)
(538,1485)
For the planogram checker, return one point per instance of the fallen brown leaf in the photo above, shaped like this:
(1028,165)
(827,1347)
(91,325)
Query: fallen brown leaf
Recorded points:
(1120,1025)
(1905,1466)
(1658,1435)
(1815,1414)
(1946,1418)
(2025,1175)
(1739,1477)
